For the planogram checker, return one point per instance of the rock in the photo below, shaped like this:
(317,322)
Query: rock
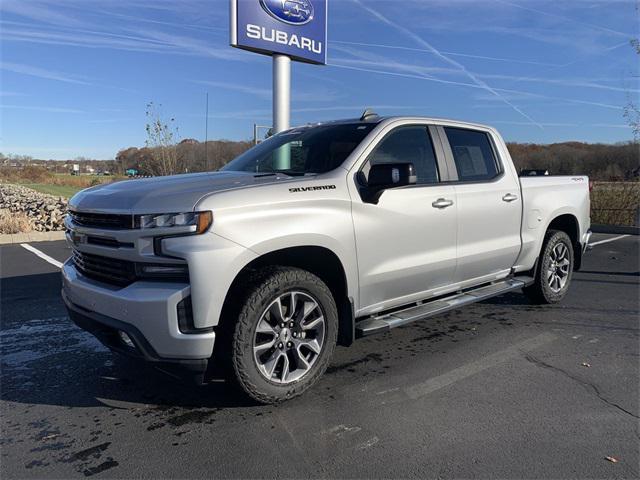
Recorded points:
(46,212)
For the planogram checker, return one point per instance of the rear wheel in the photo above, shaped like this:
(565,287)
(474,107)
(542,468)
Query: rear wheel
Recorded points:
(285,334)
(555,269)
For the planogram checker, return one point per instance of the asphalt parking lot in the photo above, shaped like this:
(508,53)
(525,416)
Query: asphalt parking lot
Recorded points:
(499,389)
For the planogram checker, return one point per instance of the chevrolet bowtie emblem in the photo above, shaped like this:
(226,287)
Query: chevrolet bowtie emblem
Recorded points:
(77,238)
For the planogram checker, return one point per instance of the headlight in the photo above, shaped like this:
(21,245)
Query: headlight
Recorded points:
(200,220)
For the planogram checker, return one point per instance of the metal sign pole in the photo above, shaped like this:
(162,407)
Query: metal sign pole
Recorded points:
(281,92)
(281,106)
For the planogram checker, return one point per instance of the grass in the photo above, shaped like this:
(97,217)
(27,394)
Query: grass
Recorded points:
(44,181)
(615,203)
(66,191)
(14,222)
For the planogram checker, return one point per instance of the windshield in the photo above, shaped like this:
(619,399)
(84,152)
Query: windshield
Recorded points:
(302,150)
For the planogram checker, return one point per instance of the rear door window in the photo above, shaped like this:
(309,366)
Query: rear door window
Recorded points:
(473,154)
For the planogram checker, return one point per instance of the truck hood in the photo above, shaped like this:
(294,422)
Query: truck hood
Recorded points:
(162,194)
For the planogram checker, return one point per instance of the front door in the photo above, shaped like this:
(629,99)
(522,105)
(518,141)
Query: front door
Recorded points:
(406,243)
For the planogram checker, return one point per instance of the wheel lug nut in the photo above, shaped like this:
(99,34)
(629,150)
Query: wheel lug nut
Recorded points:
(280,345)
(282,325)
(291,325)
(289,344)
(295,334)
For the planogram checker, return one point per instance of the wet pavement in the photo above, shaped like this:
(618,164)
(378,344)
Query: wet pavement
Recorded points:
(498,389)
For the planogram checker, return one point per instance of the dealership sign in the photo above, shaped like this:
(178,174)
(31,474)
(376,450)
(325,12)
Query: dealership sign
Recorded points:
(297,28)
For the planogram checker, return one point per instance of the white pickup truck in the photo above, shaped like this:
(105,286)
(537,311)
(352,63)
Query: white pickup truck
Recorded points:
(315,237)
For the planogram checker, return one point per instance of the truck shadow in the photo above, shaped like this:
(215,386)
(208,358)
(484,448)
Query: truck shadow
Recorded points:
(47,360)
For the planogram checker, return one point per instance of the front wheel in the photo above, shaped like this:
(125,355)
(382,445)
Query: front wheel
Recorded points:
(555,269)
(285,334)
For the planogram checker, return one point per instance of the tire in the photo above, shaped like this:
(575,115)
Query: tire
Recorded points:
(552,277)
(261,346)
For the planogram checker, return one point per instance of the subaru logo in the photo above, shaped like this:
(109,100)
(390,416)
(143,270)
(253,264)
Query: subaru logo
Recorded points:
(293,12)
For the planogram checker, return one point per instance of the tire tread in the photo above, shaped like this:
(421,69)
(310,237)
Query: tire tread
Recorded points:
(260,285)
(539,292)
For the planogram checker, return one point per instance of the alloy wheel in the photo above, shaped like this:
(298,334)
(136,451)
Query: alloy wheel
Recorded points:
(289,337)
(559,267)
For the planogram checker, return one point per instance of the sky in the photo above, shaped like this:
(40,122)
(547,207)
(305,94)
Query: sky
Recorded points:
(76,75)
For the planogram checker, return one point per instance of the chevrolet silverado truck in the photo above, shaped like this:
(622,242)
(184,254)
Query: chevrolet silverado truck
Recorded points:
(315,237)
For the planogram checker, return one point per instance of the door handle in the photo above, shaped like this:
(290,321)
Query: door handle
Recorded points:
(442,203)
(509,197)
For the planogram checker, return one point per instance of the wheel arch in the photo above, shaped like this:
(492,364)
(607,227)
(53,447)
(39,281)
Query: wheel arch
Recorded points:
(568,223)
(322,262)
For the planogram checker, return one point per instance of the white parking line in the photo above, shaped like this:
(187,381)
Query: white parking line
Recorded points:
(42,255)
(607,240)
(58,264)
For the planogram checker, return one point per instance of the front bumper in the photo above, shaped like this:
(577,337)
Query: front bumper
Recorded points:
(107,330)
(145,310)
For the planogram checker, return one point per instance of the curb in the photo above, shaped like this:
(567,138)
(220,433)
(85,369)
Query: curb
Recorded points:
(7,239)
(619,229)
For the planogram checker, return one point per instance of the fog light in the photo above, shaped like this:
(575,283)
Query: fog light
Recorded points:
(155,270)
(185,315)
(126,339)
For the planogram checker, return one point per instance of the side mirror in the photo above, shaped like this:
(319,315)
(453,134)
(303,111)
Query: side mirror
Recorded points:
(387,175)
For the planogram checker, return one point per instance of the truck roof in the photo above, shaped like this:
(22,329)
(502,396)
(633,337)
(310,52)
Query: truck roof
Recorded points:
(373,118)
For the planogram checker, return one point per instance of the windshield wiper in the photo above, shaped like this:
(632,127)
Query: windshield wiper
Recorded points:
(290,173)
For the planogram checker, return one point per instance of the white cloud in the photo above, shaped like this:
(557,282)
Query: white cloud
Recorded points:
(297,95)
(420,41)
(43,73)
(136,40)
(566,19)
(453,54)
(237,87)
(41,108)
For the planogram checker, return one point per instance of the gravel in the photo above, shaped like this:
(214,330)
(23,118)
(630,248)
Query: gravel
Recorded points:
(45,212)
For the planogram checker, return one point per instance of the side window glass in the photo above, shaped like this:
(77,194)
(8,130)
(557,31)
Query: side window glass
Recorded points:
(473,155)
(409,145)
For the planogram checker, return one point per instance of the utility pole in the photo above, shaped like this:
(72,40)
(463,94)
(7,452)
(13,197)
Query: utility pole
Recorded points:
(206,133)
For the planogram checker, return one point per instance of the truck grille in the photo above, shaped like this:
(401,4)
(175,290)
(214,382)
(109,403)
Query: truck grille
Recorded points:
(105,269)
(103,220)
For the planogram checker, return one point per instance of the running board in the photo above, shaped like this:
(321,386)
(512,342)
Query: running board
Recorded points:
(386,321)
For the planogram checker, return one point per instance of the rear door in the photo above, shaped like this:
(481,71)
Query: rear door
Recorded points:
(406,242)
(489,205)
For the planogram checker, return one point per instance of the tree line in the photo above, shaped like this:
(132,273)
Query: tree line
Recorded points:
(163,155)
(603,162)
(599,161)
(185,157)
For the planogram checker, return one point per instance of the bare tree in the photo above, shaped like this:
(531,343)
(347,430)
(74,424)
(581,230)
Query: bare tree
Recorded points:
(162,137)
(632,115)
(631,110)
